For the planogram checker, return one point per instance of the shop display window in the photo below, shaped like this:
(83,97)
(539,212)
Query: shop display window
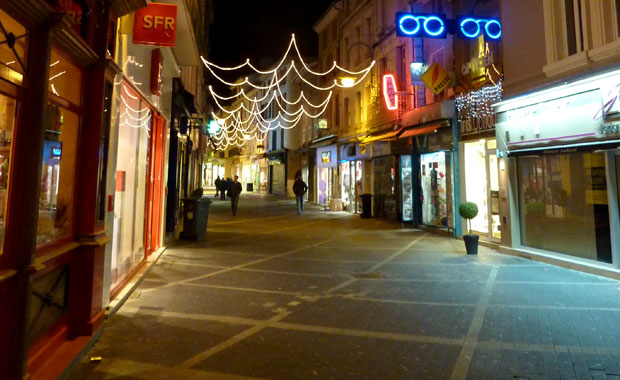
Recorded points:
(57,174)
(12,57)
(434,194)
(324,186)
(130,194)
(563,204)
(63,78)
(7,124)
(407,188)
(346,185)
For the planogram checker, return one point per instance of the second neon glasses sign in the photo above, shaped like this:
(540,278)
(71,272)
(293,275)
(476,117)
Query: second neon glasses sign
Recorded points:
(437,26)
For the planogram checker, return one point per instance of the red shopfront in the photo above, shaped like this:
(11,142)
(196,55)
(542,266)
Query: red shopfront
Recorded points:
(52,129)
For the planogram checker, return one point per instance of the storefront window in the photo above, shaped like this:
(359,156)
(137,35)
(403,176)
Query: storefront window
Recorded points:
(7,124)
(564,205)
(12,56)
(407,189)
(63,79)
(482,185)
(131,168)
(434,194)
(346,185)
(324,186)
(57,174)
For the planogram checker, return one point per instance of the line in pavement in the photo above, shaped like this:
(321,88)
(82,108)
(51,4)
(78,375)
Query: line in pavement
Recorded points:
(376,266)
(232,341)
(459,372)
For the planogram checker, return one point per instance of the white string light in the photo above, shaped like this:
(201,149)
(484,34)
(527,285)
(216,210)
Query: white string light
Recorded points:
(247,119)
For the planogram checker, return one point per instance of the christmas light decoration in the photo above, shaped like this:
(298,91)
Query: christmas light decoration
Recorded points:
(254,116)
(132,117)
(478,104)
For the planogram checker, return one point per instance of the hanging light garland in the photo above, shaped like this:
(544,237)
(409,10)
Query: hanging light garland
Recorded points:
(478,104)
(246,121)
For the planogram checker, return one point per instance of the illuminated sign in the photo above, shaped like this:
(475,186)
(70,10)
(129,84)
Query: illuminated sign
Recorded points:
(322,124)
(326,157)
(213,127)
(437,26)
(420,25)
(390,92)
(155,25)
(436,78)
(56,152)
(471,27)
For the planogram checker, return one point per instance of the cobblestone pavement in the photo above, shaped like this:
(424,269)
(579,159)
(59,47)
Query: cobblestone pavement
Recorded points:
(328,295)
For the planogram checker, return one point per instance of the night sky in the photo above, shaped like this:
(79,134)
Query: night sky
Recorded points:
(261,30)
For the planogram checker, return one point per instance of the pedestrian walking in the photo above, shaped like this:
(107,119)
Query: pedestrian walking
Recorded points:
(234,191)
(229,184)
(299,188)
(218,185)
(223,189)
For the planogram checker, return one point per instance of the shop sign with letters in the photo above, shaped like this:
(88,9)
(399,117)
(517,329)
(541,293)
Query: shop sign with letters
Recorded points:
(155,25)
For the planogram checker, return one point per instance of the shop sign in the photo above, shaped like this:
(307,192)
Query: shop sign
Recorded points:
(477,125)
(390,92)
(437,26)
(326,157)
(611,103)
(157,67)
(321,124)
(436,78)
(609,129)
(155,25)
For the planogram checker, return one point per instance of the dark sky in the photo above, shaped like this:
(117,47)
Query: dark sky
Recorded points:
(261,30)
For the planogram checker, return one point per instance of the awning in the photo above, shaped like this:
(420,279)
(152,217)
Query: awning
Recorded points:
(587,146)
(386,136)
(409,132)
(322,141)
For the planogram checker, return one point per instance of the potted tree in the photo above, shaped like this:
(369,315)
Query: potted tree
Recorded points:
(469,210)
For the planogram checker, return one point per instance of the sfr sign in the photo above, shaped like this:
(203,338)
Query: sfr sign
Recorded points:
(155,25)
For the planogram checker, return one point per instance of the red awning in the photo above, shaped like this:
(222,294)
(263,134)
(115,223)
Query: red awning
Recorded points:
(387,136)
(409,132)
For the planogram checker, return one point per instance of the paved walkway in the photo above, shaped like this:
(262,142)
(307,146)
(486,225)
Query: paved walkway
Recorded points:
(326,295)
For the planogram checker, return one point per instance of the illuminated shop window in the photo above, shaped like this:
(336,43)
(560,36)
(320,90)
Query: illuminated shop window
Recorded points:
(7,125)
(64,79)
(57,174)
(13,43)
(563,204)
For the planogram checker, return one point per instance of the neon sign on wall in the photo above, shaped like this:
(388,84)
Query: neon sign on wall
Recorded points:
(390,92)
(437,26)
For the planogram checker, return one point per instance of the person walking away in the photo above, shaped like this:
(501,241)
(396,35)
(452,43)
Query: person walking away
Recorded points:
(223,189)
(229,183)
(218,185)
(299,188)
(234,191)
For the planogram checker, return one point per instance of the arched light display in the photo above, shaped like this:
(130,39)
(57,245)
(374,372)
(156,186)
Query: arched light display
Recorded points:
(437,26)
(260,104)
(420,25)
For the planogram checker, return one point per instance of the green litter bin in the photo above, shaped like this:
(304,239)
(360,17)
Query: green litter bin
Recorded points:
(195,216)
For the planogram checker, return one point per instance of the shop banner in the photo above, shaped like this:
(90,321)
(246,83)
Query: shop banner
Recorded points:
(155,25)
(436,78)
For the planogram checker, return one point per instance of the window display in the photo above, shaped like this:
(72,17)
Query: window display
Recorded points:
(434,195)
(8,107)
(345,185)
(563,204)
(482,186)
(324,186)
(57,174)
(407,188)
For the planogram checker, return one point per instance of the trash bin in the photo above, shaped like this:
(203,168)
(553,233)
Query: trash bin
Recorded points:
(250,186)
(195,216)
(366,205)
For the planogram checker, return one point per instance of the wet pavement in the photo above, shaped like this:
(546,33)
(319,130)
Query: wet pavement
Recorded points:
(328,295)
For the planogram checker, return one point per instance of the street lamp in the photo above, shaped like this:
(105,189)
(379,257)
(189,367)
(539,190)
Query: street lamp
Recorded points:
(347,82)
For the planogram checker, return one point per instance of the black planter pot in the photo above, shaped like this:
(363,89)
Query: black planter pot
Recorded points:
(471,244)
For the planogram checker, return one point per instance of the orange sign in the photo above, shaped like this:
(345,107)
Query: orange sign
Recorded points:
(155,25)
(436,78)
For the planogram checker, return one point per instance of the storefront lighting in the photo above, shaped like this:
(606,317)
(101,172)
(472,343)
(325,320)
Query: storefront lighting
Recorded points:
(502,164)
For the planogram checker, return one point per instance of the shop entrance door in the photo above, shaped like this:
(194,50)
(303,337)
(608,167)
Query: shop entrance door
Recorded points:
(154,189)
(482,187)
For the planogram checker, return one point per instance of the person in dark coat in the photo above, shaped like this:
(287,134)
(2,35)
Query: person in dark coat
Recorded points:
(223,188)
(234,191)
(299,188)
(229,183)
(218,185)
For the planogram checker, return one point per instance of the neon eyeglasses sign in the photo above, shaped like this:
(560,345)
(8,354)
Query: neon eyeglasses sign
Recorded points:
(390,92)
(437,26)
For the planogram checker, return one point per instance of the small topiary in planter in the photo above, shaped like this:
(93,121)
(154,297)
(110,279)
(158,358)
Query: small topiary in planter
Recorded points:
(469,210)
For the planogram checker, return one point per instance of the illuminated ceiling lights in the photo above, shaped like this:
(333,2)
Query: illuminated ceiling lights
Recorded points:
(247,119)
